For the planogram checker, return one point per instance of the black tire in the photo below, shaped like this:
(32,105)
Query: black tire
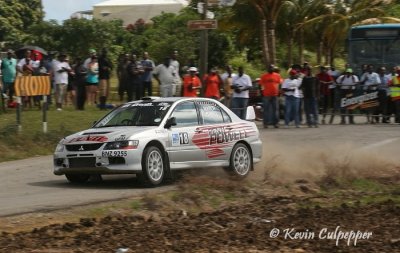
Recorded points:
(77,178)
(240,162)
(153,167)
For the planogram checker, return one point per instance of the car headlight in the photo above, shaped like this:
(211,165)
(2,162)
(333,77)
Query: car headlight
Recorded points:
(60,147)
(122,145)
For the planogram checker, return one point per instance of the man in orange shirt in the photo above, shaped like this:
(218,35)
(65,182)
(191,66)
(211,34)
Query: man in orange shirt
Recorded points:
(269,84)
(191,83)
(213,84)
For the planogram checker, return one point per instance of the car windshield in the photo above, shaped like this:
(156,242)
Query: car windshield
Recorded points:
(135,114)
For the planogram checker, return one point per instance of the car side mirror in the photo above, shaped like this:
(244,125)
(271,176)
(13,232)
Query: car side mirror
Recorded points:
(250,113)
(170,122)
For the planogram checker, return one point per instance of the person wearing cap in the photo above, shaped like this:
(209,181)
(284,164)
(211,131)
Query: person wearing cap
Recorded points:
(92,52)
(9,71)
(270,84)
(92,80)
(370,81)
(191,83)
(290,86)
(347,85)
(240,99)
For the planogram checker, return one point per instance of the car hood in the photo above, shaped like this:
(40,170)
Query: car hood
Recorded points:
(96,135)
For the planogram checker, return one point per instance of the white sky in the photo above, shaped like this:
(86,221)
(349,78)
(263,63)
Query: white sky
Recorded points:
(62,9)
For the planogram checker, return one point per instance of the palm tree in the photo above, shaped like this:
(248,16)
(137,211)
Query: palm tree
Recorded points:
(292,20)
(264,22)
(344,14)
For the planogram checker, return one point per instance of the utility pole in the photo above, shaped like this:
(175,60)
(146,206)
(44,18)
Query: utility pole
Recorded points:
(204,44)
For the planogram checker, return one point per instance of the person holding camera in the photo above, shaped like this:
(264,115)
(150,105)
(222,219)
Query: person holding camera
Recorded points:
(240,99)
(191,83)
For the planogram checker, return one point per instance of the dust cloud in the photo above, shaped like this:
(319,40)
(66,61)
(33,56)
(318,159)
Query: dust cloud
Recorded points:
(284,164)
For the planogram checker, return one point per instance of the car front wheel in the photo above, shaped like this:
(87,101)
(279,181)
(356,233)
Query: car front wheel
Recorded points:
(77,178)
(153,166)
(240,161)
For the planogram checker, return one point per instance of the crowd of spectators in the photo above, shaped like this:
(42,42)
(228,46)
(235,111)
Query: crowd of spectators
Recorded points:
(376,95)
(86,82)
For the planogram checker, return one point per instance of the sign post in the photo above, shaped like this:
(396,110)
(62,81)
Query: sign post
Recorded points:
(32,86)
(202,24)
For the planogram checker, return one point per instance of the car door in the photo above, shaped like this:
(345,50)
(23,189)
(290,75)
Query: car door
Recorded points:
(216,131)
(183,153)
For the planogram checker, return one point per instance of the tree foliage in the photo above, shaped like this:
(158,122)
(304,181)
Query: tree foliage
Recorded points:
(16,16)
(248,30)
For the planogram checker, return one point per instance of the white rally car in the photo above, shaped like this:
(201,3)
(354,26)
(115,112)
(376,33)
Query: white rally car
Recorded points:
(153,136)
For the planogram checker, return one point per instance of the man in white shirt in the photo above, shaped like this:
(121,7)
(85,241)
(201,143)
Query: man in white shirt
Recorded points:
(240,98)
(165,75)
(370,80)
(177,84)
(347,85)
(292,98)
(25,65)
(61,70)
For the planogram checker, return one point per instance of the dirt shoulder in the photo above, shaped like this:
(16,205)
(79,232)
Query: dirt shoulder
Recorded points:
(215,214)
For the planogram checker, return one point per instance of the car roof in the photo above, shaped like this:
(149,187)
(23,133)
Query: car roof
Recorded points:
(167,99)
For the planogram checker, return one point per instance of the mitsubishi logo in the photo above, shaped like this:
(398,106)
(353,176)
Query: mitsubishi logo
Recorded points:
(81,148)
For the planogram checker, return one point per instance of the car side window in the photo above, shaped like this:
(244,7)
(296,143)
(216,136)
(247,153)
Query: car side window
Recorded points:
(185,114)
(211,113)
(226,117)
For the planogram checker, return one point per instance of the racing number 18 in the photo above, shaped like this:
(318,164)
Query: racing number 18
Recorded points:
(183,138)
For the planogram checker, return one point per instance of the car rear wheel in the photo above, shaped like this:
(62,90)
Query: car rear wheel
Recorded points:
(153,166)
(77,178)
(240,161)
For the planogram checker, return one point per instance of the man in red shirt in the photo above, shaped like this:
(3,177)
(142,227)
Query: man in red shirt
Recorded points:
(325,81)
(269,84)
(191,83)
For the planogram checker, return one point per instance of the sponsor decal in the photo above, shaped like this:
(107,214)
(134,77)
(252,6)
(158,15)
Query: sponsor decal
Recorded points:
(366,100)
(178,139)
(225,135)
(121,138)
(93,138)
(213,139)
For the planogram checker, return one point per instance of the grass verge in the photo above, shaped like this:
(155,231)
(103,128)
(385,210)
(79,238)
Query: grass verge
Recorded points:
(31,141)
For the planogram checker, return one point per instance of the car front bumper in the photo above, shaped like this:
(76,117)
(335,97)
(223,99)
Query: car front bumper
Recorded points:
(98,162)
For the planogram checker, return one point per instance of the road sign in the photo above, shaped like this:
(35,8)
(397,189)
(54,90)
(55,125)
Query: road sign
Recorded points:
(202,24)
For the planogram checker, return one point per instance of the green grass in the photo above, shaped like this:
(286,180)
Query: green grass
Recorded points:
(31,141)
(367,185)
(359,191)
(136,205)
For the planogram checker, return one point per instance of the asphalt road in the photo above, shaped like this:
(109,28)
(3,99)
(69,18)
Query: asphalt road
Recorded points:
(29,185)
